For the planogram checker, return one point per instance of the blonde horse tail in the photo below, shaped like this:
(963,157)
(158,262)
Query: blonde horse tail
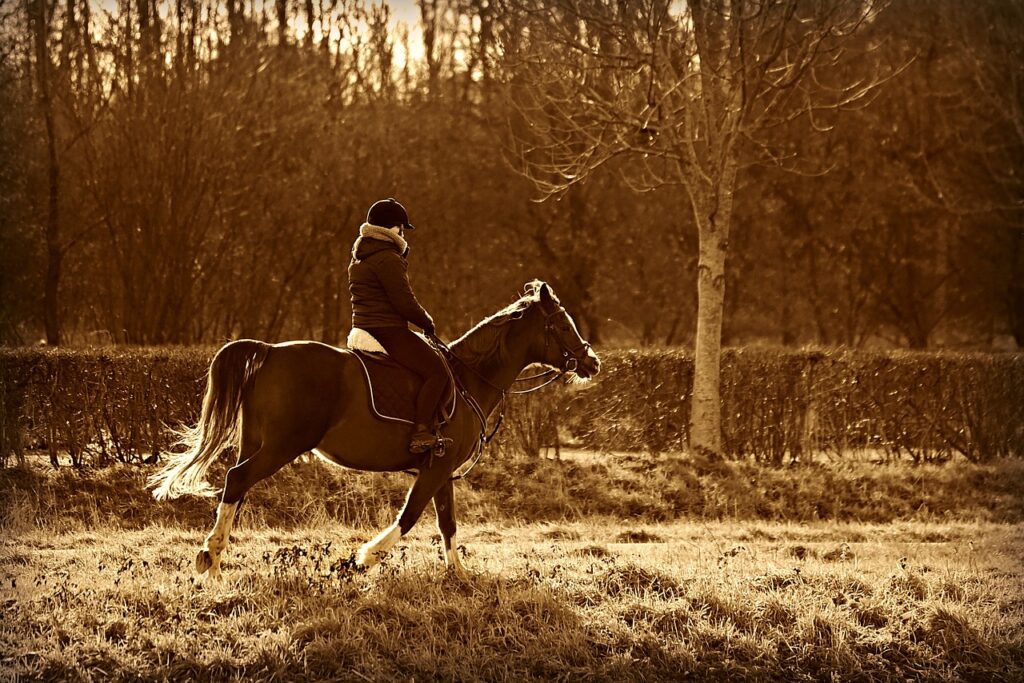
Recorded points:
(230,374)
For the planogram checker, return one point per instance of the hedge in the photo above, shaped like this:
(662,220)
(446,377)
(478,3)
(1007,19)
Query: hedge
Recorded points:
(98,405)
(117,404)
(780,404)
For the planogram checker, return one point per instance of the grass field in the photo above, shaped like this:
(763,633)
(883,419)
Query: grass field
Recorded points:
(604,601)
(604,567)
(582,488)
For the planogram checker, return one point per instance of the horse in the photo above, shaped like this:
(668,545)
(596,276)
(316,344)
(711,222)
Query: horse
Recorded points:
(275,402)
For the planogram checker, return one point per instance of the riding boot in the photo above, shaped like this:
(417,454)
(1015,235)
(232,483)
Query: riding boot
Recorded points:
(422,439)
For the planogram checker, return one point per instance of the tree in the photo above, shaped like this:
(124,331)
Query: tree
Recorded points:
(19,277)
(988,35)
(39,16)
(693,94)
(214,162)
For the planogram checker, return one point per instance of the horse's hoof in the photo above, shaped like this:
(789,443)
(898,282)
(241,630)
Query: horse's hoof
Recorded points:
(459,573)
(203,561)
(365,559)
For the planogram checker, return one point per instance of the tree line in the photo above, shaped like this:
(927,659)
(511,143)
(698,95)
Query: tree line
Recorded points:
(187,171)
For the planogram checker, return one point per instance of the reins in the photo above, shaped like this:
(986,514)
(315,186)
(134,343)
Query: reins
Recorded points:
(554,374)
(551,375)
(485,439)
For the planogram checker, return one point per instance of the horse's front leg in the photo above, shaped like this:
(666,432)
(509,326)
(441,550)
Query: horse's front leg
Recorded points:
(444,506)
(423,489)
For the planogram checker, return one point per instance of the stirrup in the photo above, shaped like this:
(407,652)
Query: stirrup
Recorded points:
(430,442)
(422,441)
(441,446)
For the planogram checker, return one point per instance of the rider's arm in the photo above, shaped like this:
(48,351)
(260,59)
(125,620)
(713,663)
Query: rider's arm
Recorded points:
(391,270)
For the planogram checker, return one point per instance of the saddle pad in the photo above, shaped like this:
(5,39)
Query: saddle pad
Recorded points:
(393,389)
(362,340)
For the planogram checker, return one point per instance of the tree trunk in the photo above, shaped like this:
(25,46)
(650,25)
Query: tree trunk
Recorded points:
(714,213)
(789,334)
(51,296)
(309,23)
(51,309)
(282,22)
(1015,293)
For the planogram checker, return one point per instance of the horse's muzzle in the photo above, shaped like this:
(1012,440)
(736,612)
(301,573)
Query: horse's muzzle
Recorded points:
(588,366)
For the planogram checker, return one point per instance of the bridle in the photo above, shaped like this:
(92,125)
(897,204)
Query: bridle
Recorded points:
(571,356)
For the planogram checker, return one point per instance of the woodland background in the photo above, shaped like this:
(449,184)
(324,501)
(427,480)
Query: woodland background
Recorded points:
(187,172)
(175,173)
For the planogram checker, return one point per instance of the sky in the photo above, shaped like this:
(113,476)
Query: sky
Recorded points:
(405,12)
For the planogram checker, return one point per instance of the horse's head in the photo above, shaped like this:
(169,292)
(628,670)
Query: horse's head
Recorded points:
(562,346)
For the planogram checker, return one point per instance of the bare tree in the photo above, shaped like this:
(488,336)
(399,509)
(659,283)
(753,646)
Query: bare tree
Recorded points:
(989,36)
(212,162)
(40,13)
(693,93)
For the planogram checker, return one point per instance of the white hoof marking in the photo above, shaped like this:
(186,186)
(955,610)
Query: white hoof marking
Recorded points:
(217,541)
(451,558)
(373,551)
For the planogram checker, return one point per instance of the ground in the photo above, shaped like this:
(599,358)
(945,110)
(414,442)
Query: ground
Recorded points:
(607,600)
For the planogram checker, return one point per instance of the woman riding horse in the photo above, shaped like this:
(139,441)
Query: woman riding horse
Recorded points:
(383,305)
(275,402)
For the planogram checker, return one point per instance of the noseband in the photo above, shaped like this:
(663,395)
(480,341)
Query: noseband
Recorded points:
(571,355)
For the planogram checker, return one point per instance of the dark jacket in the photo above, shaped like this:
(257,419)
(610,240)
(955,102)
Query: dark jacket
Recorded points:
(379,284)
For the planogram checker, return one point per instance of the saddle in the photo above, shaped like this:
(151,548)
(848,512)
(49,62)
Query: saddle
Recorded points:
(392,388)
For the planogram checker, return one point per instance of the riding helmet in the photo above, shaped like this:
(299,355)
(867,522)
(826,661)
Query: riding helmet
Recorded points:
(387,213)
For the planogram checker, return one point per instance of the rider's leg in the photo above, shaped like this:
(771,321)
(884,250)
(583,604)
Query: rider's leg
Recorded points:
(431,395)
(410,350)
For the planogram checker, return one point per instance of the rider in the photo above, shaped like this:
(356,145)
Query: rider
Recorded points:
(383,304)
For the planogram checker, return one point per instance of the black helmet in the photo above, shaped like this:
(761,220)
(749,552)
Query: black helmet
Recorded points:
(387,213)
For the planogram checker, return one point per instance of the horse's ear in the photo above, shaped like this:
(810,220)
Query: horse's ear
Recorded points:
(545,293)
(540,291)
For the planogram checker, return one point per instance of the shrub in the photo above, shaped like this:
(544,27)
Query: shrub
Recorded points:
(311,492)
(114,404)
(779,403)
(98,405)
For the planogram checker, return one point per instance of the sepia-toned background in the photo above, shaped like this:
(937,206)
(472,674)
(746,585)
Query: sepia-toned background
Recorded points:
(793,231)
(183,172)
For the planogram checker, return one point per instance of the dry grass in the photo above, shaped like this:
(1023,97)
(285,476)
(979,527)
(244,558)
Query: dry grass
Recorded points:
(578,573)
(724,601)
(637,487)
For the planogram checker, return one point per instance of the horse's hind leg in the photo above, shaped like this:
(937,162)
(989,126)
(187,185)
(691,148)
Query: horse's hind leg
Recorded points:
(444,506)
(265,461)
(208,559)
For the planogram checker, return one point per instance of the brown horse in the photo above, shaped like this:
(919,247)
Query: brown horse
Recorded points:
(278,401)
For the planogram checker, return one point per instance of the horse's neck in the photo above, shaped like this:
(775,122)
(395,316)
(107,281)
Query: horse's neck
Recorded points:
(492,374)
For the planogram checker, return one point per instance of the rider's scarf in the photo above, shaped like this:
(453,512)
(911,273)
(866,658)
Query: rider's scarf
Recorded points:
(378,233)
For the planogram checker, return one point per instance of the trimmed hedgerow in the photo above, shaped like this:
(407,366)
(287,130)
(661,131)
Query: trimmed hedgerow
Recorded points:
(779,404)
(98,405)
(637,487)
(116,404)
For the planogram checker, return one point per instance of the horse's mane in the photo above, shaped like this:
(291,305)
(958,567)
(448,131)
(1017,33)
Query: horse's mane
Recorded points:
(487,339)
